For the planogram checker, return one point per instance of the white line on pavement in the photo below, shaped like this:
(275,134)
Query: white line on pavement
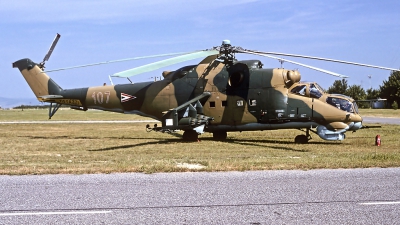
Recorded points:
(379,203)
(53,213)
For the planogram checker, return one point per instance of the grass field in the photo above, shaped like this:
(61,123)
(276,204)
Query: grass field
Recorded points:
(110,148)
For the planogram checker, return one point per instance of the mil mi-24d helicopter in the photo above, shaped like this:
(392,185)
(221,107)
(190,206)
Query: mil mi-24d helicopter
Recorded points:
(218,95)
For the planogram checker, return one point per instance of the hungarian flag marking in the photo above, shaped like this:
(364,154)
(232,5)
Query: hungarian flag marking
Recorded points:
(126,97)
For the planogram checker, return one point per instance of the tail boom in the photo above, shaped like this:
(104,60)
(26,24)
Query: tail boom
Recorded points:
(40,83)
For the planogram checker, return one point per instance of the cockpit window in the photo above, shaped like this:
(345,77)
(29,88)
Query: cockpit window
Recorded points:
(314,91)
(342,104)
(355,107)
(300,90)
(319,87)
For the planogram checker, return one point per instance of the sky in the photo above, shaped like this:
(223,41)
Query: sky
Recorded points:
(96,31)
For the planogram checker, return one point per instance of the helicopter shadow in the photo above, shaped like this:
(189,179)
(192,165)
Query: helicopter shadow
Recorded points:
(128,146)
(244,142)
(155,142)
(165,141)
(87,137)
(260,143)
(58,137)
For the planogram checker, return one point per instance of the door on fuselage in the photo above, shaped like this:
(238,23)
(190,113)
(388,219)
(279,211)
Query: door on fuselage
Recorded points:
(300,102)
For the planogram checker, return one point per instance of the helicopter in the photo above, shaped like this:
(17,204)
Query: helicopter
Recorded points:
(220,94)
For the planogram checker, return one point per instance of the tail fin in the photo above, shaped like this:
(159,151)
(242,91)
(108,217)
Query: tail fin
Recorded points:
(41,84)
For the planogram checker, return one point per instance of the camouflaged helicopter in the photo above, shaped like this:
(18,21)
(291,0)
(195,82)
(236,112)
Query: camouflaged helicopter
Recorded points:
(218,95)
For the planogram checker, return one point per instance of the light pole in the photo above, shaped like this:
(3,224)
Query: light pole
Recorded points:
(370,86)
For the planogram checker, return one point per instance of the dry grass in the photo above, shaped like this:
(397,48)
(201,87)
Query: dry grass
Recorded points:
(66,114)
(109,148)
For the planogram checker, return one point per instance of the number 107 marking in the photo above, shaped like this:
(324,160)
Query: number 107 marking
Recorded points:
(99,97)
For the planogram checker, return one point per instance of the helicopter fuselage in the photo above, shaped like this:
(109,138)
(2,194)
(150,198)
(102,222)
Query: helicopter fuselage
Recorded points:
(241,96)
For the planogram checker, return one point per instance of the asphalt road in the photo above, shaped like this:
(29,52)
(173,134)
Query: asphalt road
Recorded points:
(357,196)
(383,120)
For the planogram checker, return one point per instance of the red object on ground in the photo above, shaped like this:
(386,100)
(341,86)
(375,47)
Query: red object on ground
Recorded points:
(378,140)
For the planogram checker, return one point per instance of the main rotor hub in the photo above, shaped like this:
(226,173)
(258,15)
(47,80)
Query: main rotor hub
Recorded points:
(226,42)
(227,51)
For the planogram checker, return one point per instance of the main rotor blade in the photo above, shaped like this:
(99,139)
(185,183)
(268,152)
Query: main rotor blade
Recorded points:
(120,60)
(53,45)
(164,63)
(300,64)
(324,59)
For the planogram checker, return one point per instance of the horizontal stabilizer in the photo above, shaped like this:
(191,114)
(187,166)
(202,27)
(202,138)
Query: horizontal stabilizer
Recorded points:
(50,97)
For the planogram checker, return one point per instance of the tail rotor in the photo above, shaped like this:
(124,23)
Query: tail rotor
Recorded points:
(47,56)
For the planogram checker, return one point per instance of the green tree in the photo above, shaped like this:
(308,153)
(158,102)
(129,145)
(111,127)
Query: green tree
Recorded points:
(373,93)
(390,88)
(338,87)
(356,92)
(395,106)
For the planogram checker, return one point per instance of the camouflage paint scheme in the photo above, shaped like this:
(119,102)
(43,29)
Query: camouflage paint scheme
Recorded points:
(238,97)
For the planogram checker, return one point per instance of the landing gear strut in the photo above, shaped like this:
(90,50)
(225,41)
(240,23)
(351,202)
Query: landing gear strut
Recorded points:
(303,139)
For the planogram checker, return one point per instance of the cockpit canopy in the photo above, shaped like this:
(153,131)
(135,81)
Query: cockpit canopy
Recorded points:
(312,90)
(343,104)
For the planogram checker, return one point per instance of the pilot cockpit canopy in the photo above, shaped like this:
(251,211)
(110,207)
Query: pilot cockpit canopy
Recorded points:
(342,102)
(312,90)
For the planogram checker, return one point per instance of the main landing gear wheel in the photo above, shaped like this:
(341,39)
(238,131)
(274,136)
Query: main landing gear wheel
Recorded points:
(190,135)
(219,135)
(303,139)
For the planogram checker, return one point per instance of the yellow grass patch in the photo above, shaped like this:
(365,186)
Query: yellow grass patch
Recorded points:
(111,148)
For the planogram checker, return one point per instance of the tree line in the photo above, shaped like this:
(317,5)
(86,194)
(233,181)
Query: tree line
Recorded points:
(390,90)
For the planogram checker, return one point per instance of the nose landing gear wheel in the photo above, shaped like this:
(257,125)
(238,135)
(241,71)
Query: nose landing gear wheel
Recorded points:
(219,135)
(301,139)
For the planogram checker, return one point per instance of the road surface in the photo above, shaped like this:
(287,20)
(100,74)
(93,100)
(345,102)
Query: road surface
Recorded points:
(356,196)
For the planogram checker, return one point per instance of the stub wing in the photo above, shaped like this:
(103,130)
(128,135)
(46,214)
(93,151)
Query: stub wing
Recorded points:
(192,118)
